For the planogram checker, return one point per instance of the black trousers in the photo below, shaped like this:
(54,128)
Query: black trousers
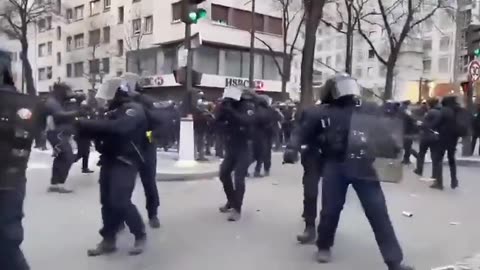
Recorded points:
(422,151)
(407,146)
(312,171)
(438,152)
(83,151)
(260,152)
(200,144)
(117,181)
(334,190)
(64,157)
(11,229)
(237,160)
(148,173)
(267,158)
(219,144)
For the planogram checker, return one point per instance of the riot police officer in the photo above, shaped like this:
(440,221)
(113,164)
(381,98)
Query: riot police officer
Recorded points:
(349,128)
(238,116)
(148,168)
(60,135)
(17,130)
(312,162)
(119,139)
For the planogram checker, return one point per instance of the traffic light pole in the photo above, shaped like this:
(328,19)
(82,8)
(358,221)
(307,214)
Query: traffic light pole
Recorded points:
(186,152)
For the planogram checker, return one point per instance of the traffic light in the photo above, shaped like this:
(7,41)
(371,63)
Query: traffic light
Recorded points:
(476,52)
(190,13)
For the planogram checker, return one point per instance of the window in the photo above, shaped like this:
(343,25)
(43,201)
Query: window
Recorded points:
(233,66)
(120,47)
(370,72)
(106,34)
(273,25)
(148,25)
(42,25)
(49,73)
(69,14)
(42,50)
(49,48)
(69,70)
(177,11)
(106,65)
(136,26)
(371,54)
(94,66)
(246,66)
(59,58)
(79,41)
(107,4)
(136,1)
(94,37)
(78,15)
(358,72)
(219,14)
(328,61)
(78,69)
(49,22)
(121,15)
(427,65)
(42,74)
(270,70)
(443,65)
(59,33)
(427,45)
(69,44)
(444,43)
(95,7)
(119,73)
(206,60)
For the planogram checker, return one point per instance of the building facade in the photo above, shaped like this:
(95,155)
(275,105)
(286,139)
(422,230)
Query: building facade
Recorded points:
(93,40)
(427,56)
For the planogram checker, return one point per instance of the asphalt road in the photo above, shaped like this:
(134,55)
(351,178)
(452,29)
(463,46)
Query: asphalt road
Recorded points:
(194,235)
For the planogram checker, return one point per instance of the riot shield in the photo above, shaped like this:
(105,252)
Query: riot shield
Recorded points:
(108,89)
(17,129)
(375,146)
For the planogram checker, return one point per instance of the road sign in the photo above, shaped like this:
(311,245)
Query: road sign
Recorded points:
(474,70)
(182,57)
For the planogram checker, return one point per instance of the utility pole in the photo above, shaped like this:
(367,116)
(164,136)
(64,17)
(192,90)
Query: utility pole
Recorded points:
(350,28)
(252,49)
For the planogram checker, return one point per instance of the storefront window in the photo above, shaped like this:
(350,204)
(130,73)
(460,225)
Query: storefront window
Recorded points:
(206,60)
(270,71)
(233,63)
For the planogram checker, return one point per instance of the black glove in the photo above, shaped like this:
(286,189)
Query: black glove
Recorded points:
(290,156)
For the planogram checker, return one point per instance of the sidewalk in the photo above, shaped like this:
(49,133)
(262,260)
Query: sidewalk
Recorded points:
(467,263)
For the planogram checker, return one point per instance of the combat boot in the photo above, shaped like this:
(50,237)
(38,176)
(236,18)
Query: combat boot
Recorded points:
(138,247)
(308,236)
(235,215)
(225,209)
(324,256)
(154,222)
(257,175)
(104,247)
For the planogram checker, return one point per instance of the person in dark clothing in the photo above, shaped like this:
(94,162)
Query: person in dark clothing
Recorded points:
(350,149)
(476,128)
(427,135)
(443,121)
(261,139)
(119,138)
(239,116)
(409,130)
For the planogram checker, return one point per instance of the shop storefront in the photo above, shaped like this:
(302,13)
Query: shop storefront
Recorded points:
(165,86)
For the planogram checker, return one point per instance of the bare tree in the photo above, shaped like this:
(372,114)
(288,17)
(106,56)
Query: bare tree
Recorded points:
(16,16)
(97,69)
(313,14)
(344,16)
(291,14)
(396,19)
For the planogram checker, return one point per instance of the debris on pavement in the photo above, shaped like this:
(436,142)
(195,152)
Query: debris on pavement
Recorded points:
(407,214)
(454,223)
(275,183)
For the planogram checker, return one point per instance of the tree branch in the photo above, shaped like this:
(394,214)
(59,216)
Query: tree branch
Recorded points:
(272,52)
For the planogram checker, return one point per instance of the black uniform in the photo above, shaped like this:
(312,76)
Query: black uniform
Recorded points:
(148,169)
(239,117)
(261,139)
(16,136)
(349,158)
(312,162)
(60,132)
(119,139)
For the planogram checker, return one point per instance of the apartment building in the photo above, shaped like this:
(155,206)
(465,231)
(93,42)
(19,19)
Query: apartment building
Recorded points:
(427,56)
(96,39)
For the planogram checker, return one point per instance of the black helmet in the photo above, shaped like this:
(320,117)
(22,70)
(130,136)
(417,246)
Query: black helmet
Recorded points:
(338,86)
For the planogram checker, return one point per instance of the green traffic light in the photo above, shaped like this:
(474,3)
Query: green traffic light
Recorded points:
(193,16)
(196,15)
(201,13)
(477,52)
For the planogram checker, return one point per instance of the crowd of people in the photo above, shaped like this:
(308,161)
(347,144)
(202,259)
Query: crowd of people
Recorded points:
(339,140)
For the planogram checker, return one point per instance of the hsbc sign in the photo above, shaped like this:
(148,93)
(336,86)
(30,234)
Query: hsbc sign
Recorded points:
(243,83)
